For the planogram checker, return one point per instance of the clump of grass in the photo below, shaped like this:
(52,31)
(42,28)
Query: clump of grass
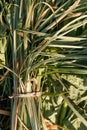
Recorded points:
(42,41)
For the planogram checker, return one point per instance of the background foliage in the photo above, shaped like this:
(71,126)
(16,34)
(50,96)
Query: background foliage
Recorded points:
(43,66)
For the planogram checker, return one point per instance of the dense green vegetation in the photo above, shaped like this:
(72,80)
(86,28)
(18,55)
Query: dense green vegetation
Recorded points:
(43,67)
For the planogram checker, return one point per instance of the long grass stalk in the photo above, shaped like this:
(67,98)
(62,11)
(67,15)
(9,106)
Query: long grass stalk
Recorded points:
(83,120)
(15,83)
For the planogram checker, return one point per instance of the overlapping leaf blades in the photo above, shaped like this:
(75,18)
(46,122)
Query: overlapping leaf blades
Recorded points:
(44,36)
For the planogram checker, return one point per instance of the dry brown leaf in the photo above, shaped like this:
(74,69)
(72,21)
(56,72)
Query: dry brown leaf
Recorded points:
(4,112)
